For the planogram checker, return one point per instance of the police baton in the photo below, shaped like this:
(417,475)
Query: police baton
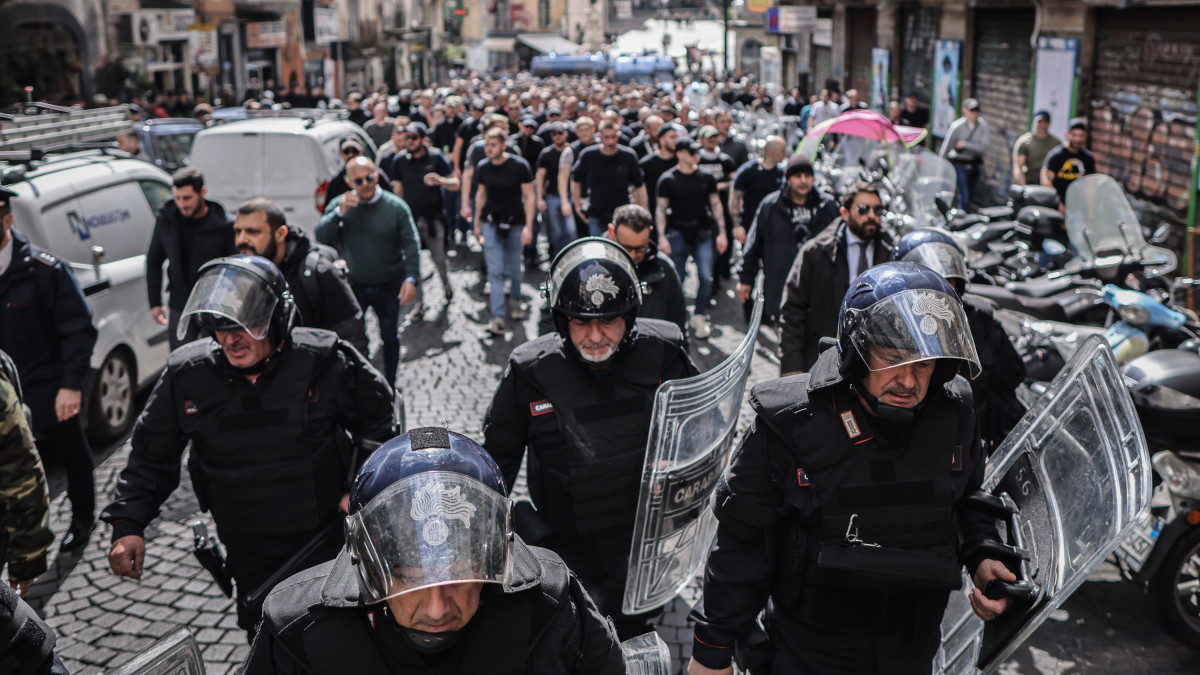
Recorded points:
(299,561)
(209,554)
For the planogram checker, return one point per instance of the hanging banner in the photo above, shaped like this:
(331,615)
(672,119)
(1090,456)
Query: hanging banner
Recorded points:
(946,59)
(325,25)
(202,42)
(881,64)
(1054,81)
(791,20)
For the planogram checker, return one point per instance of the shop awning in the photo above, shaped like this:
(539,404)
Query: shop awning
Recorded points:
(548,43)
(498,44)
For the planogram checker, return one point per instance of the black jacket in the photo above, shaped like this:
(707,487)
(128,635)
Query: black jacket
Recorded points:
(773,240)
(542,623)
(212,239)
(770,517)
(346,392)
(322,289)
(45,326)
(812,296)
(1003,371)
(662,297)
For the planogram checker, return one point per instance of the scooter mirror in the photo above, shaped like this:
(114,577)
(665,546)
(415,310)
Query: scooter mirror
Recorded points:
(942,205)
(1053,247)
(1161,234)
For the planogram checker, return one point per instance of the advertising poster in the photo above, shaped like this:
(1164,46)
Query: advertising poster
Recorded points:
(202,38)
(945,86)
(1054,81)
(881,63)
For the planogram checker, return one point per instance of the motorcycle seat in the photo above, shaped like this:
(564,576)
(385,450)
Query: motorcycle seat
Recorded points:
(964,221)
(1042,308)
(1041,287)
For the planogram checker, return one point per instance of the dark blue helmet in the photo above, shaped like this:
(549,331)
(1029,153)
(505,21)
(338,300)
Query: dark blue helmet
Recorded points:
(934,249)
(901,312)
(428,508)
(420,450)
(241,291)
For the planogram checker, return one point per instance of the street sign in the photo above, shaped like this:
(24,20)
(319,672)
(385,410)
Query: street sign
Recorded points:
(791,20)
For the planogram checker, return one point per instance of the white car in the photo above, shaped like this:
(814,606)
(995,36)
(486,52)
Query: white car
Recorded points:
(96,211)
(288,160)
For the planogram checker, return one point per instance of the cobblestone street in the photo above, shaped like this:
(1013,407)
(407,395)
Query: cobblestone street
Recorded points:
(447,376)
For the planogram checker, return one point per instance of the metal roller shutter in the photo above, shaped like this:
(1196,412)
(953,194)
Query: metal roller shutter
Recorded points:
(1003,65)
(916,52)
(1143,105)
(861,39)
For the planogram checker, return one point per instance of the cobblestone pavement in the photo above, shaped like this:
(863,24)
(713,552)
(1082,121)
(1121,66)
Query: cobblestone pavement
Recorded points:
(448,374)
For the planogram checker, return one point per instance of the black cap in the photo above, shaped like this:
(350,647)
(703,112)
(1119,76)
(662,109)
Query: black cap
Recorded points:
(555,127)
(1077,123)
(1041,115)
(417,128)
(686,145)
(529,122)
(798,164)
(6,195)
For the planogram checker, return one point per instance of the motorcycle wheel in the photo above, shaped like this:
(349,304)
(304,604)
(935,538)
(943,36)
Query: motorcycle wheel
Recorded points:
(1175,589)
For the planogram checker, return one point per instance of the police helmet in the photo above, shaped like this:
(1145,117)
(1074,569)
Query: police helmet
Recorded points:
(241,291)
(912,313)
(934,249)
(593,278)
(428,508)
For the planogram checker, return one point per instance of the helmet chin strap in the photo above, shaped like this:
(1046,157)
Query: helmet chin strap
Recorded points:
(430,643)
(885,411)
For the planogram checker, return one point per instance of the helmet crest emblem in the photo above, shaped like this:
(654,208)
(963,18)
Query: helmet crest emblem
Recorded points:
(598,285)
(930,307)
(436,504)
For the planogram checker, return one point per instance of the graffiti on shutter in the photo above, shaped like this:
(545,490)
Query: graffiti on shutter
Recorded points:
(1003,60)
(916,57)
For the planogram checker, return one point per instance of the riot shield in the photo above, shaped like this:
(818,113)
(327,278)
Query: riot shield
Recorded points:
(691,433)
(175,654)
(646,655)
(1076,468)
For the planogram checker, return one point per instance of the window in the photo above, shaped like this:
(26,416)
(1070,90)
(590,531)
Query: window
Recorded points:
(156,193)
(543,13)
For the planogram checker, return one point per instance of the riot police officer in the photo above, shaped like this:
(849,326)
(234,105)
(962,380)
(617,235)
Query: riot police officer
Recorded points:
(580,400)
(433,580)
(842,506)
(46,327)
(994,391)
(278,418)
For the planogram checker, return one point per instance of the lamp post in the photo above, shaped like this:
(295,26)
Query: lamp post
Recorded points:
(725,35)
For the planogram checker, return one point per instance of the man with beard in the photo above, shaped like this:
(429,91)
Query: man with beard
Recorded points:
(580,399)
(190,231)
(606,175)
(662,292)
(560,229)
(1069,161)
(663,160)
(822,272)
(318,281)
(721,167)
(785,220)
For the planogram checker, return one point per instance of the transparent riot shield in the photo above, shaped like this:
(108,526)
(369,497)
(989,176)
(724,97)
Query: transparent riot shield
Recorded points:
(1076,468)
(175,654)
(691,433)
(646,655)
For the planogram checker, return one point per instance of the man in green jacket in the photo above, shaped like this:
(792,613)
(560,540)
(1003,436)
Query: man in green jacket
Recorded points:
(374,231)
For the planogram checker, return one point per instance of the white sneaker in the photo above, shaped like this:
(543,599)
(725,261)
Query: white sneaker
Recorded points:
(700,328)
(516,311)
(496,326)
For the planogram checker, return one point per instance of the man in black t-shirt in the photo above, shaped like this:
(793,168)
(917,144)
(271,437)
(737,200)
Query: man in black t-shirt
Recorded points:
(914,114)
(661,161)
(467,132)
(753,181)
(444,132)
(527,142)
(608,172)
(560,229)
(504,210)
(1069,161)
(689,217)
(421,174)
(721,167)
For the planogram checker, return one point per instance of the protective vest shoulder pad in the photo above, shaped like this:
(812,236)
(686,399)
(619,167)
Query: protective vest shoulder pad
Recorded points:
(657,328)
(958,389)
(782,403)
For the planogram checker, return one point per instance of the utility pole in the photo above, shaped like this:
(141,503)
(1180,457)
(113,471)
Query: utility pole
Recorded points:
(725,35)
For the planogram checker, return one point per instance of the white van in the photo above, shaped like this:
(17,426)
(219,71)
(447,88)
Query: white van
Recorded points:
(96,212)
(288,160)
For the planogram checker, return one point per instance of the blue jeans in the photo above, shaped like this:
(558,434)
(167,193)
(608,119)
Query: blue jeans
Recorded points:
(385,300)
(597,227)
(560,229)
(451,203)
(967,176)
(503,257)
(702,253)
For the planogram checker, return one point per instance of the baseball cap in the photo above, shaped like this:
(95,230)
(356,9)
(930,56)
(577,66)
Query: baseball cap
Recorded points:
(6,195)
(707,131)
(478,104)
(1077,123)
(686,145)
(555,127)
(971,104)
(529,122)
(1041,115)
(350,142)
(417,128)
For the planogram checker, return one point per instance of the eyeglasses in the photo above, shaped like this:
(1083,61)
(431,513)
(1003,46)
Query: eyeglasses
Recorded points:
(363,180)
(350,151)
(558,133)
(634,250)
(864,209)
(410,137)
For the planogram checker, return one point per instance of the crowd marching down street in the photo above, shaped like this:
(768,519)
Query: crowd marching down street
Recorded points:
(936,450)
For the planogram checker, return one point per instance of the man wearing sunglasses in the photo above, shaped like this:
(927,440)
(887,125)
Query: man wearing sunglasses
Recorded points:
(662,292)
(348,149)
(374,231)
(821,274)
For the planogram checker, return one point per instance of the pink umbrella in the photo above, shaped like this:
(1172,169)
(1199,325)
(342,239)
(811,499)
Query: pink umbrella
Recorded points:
(864,124)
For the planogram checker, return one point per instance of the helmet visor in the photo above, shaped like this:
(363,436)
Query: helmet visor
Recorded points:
(233,294)
(430,529)
(915,325)
(944,258)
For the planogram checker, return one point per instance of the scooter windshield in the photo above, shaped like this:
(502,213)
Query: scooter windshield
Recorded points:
(1100,221)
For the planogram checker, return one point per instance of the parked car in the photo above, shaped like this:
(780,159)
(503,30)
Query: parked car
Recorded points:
(288,159)
(168,142)
(96,211)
